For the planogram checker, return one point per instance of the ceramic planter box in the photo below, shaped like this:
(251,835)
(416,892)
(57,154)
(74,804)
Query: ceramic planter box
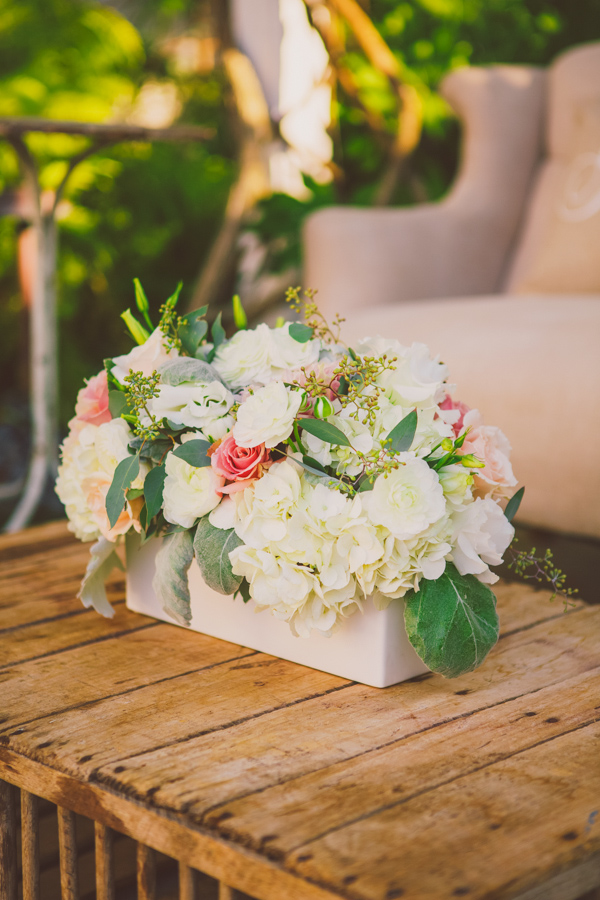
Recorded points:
(371,648)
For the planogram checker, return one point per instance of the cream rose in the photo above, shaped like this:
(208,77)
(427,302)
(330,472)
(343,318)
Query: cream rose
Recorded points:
(481,535)
(190,492)
(408,501)
(261,355)
(267,416)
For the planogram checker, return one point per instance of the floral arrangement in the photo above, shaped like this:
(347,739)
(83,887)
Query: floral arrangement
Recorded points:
(310,477)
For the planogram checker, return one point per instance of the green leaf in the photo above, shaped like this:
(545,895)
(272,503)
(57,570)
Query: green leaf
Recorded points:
(178,371)
(366,484)
(137,331)
(134,493)
(170,581)
(172,300)
(239,313)
(218,332)
(144,518)
(125,473)
(452,622)
(153,490)
(191,332)
(513,504)
(103,559)
(301,333)
(141,302)
(212,547)
(314,464)
(194,453)
(403,434)
(343,387)
(243,591)
(154,451)
(117,403)
(324,431)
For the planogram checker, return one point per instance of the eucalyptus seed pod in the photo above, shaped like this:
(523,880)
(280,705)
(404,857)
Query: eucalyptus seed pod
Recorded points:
(323,408)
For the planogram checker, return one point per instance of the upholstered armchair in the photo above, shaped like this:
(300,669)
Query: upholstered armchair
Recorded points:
(502,277)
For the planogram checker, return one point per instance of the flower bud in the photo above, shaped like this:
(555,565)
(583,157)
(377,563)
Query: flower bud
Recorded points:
(323,408)
(447,445)
(472,462)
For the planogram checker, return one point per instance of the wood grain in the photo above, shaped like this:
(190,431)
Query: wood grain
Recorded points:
(8,842)
(104,859)
(146,873)
(68,854)
(30,850)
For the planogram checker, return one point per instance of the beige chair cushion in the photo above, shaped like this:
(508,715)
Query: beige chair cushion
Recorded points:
(531,366)
(560,247)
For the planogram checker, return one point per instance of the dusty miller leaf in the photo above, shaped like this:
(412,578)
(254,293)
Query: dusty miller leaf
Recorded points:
(103,559)
(452,622)
(178,371)
(170,581)
(212,547)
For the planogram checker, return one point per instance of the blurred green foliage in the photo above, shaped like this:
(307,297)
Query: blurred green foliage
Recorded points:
(130,210)
(152,211)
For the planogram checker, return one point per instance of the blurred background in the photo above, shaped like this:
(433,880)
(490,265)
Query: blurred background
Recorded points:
(307,115)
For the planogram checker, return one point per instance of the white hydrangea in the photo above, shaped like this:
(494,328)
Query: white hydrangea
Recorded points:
(259,356)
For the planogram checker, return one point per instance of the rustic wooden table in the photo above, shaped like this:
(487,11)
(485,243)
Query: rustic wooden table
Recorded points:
(287,783)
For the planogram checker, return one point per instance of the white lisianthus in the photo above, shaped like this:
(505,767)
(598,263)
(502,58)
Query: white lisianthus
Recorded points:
(481,535)
(190,492)
(145,358)
(408,501)
(201,406)
(457,485)
(260,355)
(267,416)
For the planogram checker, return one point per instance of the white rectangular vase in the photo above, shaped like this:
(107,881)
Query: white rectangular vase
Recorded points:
(370,647)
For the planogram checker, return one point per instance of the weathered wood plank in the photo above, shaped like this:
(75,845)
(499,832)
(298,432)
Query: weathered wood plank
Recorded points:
(104,859)
(30,849)
(8,842)
(68,854)
(216,767)
(80,740)
(493,833)
(45,638)
(146,873)
(299,810)
(21,543)
(173,835)
(187,882)
(115,666)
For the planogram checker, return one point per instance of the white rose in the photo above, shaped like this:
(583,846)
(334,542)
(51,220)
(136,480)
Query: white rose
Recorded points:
(267,416)
(481,535)
(407,501)
(190,492)
(246,358)
(288,354)
(145,358)
(193,405)
(416,380)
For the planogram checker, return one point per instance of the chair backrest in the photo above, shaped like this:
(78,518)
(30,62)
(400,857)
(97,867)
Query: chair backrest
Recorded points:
(558,246)
(501,108)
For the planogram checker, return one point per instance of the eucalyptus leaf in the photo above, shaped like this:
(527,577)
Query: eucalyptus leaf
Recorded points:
(103,559)
(183,369)
(324,431)
(125,473)
(154,451)
(301,333)
(403,434)
(212,547)
(191,332)
(117,403)
(452,622)
(343,386)
(170,581)
(217,332)
(194,453)
(153,490)
(314,464)
(512,507)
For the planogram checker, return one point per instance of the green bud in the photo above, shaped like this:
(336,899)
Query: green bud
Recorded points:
(472,462)
(239,314)
(142,303)
(447,445)
(323,408)
(137,331)
(280,322)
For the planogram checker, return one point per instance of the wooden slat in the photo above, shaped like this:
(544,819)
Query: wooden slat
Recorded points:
(50,535)
(496,833)
(39,640)
(161,714)
(146,873)
(187,882)
(298,811)
(30,851)
(8,842)
(105,876)
(216,767)
(115,666)
(68,854)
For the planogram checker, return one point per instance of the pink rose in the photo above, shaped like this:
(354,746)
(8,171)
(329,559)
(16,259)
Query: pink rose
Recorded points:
(460,409)
(92,401)
(489,444)
(239,465)
(324,374)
